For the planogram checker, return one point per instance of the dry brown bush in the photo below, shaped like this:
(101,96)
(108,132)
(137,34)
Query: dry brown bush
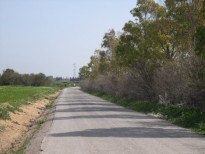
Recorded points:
(181,82)
(134,86)
(86,85)
(103,84)
(172,80)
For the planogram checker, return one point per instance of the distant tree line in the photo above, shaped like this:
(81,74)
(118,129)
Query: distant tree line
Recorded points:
(159,57)
(74,79)
(10,77)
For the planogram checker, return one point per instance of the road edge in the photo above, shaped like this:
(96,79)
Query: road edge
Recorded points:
(35,142)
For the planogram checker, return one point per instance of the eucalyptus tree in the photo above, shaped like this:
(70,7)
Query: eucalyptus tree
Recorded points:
(138,44)
(110,43)
(200,34)
(84,72)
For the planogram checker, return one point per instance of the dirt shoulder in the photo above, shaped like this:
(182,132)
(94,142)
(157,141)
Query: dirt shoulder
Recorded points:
(22,125)
(34,146)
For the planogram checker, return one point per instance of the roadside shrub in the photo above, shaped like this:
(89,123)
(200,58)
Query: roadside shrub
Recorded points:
(182,83)
(87,85)
(172,80)
(101,84)
(189,119)
(133,86)
(5,108)
(201,127)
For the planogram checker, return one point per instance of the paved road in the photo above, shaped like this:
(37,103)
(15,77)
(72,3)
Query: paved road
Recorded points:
(84,124)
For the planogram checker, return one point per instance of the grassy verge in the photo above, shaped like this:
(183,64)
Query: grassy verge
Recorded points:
(12,97)
(177,114)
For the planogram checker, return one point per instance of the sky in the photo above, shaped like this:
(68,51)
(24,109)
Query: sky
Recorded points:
(51,36)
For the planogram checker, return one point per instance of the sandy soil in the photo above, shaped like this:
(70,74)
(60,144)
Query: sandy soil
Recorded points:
(13,131)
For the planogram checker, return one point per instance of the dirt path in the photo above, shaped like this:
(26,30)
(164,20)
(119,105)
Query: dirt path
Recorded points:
(14,131)
(84,124)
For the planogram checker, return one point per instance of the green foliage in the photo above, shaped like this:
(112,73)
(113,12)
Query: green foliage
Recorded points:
(60,85)
(39,80)
(9,77)
(201,128)
(49,106)
(4,109)
(84,72)
(21,150)
(200,41)
(200,52)
(12,97)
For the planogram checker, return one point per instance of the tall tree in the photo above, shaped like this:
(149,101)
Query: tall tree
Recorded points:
(184,15)
(138,42)
(200,34)
(110,43)
(84,72)
(9,77)
(39,80)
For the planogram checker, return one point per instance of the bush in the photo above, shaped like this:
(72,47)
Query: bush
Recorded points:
(133,86)
(182,83)
(5,108)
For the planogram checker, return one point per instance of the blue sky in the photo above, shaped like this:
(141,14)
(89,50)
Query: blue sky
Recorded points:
(49,36)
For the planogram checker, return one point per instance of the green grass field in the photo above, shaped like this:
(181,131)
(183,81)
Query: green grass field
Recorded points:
(12,97)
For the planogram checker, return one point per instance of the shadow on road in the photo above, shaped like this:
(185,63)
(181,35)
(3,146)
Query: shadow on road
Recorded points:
(109,116)
(80,104)
(94,109)
(130,132)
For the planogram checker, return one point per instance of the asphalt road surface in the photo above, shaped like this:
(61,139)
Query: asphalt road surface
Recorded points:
(85,124)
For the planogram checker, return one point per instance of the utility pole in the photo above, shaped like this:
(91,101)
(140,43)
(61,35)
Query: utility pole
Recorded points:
(74,70)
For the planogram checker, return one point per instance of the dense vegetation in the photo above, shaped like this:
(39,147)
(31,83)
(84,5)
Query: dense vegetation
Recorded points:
(159,57)
(12,97)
